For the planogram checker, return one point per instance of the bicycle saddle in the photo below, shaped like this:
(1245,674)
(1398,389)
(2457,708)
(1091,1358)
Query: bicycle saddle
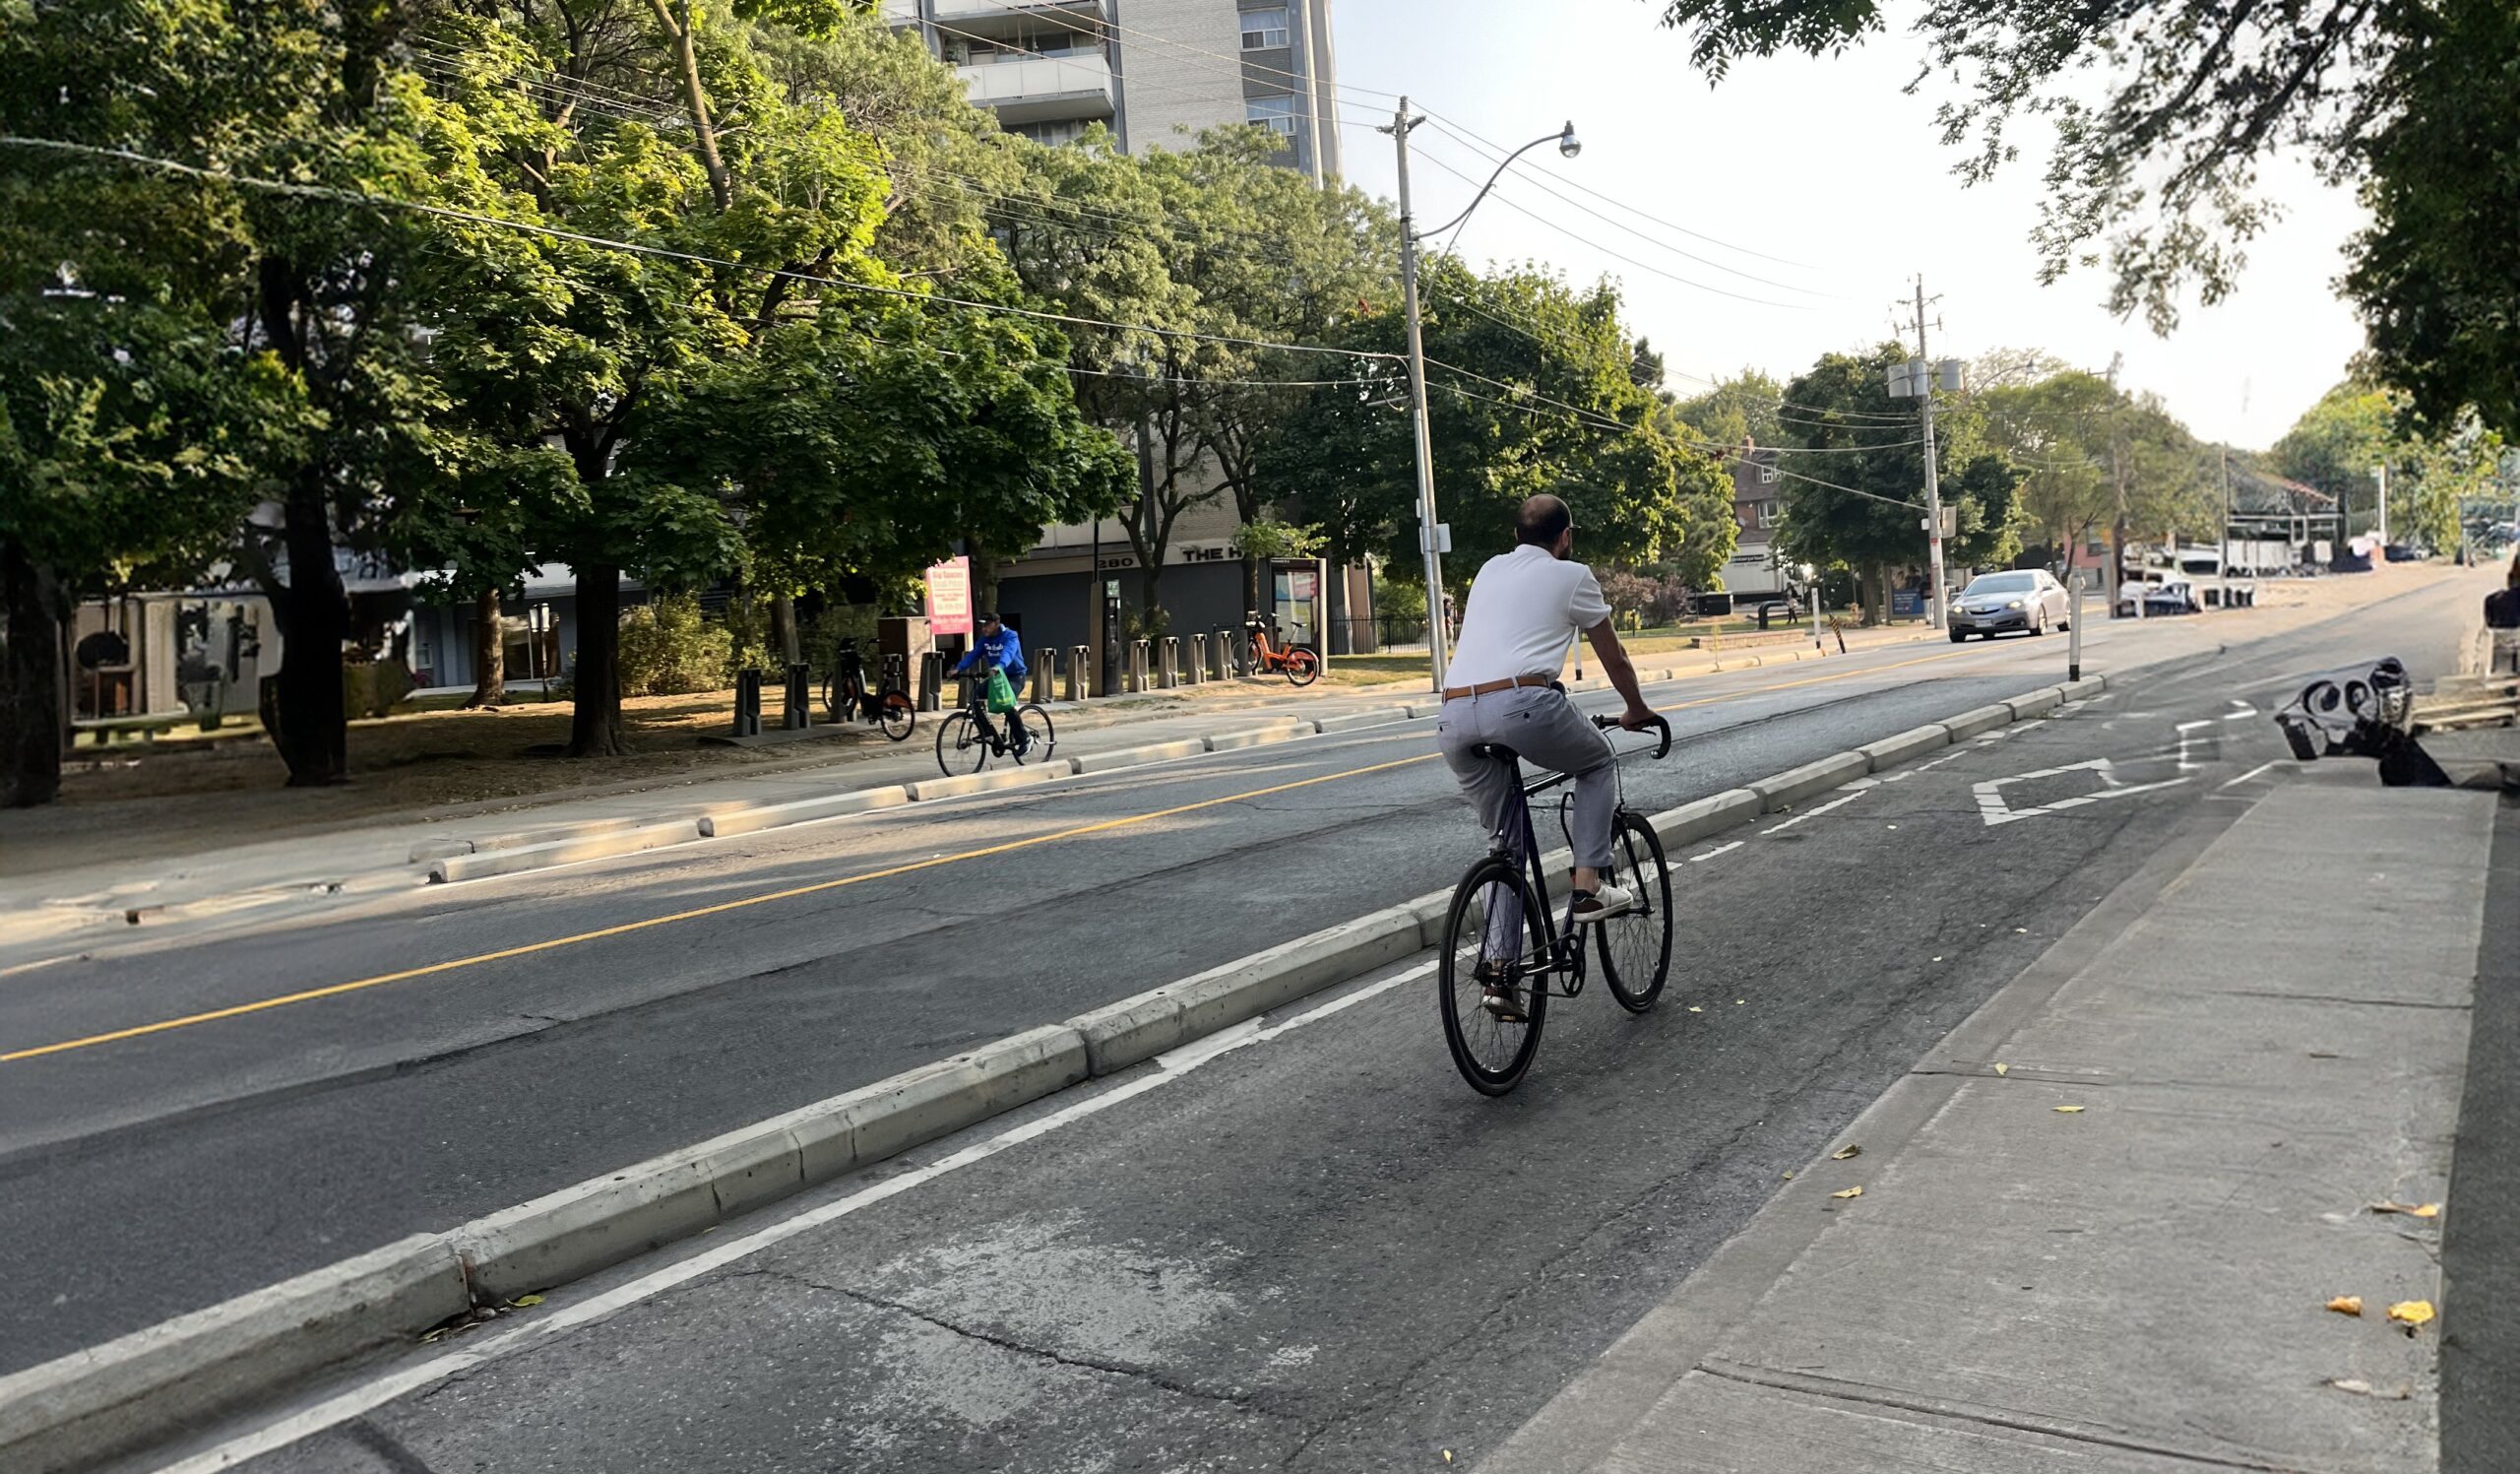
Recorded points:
(1498,750)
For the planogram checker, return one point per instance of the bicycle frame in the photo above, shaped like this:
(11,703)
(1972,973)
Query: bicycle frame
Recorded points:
(1519,841)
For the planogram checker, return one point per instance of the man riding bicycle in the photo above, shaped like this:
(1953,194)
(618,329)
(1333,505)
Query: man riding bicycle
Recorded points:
(1525,609)
(997,647)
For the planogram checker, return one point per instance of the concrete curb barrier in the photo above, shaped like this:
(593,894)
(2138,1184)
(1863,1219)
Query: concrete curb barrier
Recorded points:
(1132,757)
(1351,720)
(1254,737)
(1119,1035)
(1795,784)
(154,1382)
(801,812)
(130,1391)
(929,789)
(2037,704)
(1982,718)
(1907,747)
(562,852)
(1712,814)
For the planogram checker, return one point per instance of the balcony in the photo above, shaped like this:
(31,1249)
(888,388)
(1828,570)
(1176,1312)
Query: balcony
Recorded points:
(988,17)
(1040,89)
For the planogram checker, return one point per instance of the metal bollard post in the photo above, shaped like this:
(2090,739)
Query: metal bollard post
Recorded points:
(2074,636)
(748,703)
(1168,671)
(1079,684)
(931,681)
(1041,669)
(1197,670)
(799,712)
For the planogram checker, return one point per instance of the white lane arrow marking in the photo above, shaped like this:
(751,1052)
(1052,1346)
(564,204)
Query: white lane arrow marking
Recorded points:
(1993,808)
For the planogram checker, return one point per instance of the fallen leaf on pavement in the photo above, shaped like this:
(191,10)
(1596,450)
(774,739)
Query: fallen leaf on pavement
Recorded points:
(2003,1069)
(2362,1388)
(1846,1151)
(522,1300)
(2411,1210)
(2410,1313)
(1788,1177)
(1694,1008)
(2347,1304)
(1850,1193)
(1738,1002)
(1448,1455)
(2069,1110)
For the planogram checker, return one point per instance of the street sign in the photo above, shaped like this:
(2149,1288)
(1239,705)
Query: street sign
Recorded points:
(1444,538)
(949,598)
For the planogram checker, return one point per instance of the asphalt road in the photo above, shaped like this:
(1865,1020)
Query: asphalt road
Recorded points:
(146,1175)
(1306,1244)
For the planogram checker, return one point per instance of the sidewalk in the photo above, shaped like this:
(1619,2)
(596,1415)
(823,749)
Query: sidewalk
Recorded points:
(2100,1225)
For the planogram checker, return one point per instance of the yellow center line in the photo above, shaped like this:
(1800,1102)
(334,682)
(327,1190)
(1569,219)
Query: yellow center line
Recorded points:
(1103,826)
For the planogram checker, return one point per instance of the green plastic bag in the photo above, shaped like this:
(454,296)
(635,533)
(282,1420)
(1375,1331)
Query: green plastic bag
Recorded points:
(1001,694)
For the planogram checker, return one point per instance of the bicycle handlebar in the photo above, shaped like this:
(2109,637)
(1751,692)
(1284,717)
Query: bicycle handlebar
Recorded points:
(1611,723)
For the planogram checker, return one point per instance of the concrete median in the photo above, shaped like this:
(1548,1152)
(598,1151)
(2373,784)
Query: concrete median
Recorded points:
(1255,736)
(1795,784)
(1982,718)
(1907,747)
(152,1383)
(1381,716)
(2035,704)
(803,811)
(1712,814)
(510,862)
(928,791)
(1137,758)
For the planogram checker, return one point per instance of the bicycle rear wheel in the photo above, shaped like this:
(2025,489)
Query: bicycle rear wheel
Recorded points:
(1491,1052)
(1636,949)
(898,715)
(960,746)
(1036,726)
(1303,667)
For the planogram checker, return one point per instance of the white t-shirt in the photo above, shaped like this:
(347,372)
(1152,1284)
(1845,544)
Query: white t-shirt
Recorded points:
(1525,609)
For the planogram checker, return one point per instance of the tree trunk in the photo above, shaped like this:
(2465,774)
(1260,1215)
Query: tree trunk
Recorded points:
(30,682)
(313,615)
(594,725)
(784,638)
(489,654)
(1252,582)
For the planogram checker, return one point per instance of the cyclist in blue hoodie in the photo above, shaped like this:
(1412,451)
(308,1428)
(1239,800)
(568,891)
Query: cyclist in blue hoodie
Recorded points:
(996,646)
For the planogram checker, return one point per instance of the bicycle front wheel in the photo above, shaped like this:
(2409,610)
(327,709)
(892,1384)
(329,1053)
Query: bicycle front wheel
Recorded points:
(1636,949)
(898,715)
(1036,726)
(1496,931)
(1303,667)
(960,746)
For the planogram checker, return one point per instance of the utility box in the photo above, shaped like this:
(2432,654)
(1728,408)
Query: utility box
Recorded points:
(904,635)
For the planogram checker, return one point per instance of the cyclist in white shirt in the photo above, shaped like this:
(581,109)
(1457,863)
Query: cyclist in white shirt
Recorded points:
(1525,609)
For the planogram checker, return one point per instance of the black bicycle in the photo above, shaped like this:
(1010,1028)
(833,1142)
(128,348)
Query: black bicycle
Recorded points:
(1504,953)
(968,739)
(846,695)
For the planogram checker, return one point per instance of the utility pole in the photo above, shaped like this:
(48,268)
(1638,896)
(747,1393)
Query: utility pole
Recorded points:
(2223,565)
(1437,641)
(2382,471)
(1933,478)
(2116,579)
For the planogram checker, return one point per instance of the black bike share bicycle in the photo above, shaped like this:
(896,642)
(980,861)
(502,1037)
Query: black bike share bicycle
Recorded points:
(1500,926)
(845,693)
(968,739)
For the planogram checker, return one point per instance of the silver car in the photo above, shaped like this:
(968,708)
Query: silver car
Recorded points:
(2024,599)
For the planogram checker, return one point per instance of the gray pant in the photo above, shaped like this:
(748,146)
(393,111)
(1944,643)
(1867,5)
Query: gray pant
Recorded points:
(1550,733)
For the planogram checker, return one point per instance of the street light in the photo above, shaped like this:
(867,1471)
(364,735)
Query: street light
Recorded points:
(1429,531)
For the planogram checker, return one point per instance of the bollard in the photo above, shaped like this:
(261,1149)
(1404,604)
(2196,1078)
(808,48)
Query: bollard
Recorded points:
(1197,670)
(2074,635)
(1138,663)
(931,681)
(799,712)
(748,703)
(1225,665)
(1041,672)
(1167,669)
(1079,684)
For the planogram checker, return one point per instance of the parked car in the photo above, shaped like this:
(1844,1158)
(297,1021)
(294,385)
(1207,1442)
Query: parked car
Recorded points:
(2172,596)
(2027,600)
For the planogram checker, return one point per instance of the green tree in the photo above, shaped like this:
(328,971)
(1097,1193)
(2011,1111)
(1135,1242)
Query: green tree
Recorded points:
(2336,442)
(2437,274)
(1741,409)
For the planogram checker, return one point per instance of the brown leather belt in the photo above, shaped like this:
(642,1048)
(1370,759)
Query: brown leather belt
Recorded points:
(1491,687)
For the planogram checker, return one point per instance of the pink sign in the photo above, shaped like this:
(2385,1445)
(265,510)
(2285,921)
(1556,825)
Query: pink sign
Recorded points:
(949,598)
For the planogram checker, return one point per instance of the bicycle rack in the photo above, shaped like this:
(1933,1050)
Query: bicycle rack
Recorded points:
(800,713)
(931,681)
(748,703)
(1137,676)
(1080,682)
(1168,671)
(1197,670)
(1041,669)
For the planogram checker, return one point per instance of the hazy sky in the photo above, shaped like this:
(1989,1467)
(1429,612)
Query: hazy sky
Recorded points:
(1823,162)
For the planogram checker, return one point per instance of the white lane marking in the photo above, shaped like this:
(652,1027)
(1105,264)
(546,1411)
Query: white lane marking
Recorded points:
(1718,850)
(2241,711)
(1940,761)
(1812,813)
(2245,777)
(2018,727)
(2194,725)
(342,1408)
(1993,808)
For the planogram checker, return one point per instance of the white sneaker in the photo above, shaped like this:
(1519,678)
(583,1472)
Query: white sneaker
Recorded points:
(1603,904)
